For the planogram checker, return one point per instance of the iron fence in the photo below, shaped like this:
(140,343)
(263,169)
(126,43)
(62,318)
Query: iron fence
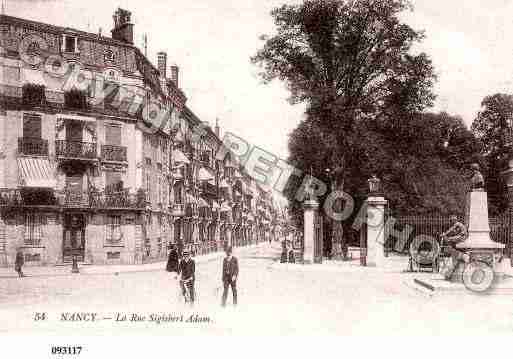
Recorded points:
(401,230)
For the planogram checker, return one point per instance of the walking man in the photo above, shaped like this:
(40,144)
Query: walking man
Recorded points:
(172,261)
(230,274)
(454,235)
(187,269)
(18,263)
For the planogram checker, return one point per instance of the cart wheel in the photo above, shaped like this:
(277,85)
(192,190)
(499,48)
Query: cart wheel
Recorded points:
(478,276)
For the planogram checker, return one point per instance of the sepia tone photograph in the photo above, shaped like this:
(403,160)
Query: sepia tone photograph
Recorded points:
(273,167)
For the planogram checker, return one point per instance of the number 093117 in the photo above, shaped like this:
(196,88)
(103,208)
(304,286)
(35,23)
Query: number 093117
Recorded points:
(66,350)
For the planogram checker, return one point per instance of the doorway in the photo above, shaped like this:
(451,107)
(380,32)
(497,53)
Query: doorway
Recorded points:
(74,237)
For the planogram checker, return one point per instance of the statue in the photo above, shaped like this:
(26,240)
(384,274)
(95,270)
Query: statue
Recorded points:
(477,180)
(374,184)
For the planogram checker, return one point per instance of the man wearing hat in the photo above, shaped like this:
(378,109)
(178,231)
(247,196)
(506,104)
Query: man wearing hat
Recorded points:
(187,269)
(230,274)
(454,235)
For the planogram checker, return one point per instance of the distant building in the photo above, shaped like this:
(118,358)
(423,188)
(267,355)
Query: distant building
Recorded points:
(81,173)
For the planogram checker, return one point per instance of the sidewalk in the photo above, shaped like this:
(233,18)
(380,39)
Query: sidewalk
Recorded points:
(393,264)
(92,269)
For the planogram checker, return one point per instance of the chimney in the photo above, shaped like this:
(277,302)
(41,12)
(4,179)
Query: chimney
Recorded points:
(162,63)
(174,74)
(123,28)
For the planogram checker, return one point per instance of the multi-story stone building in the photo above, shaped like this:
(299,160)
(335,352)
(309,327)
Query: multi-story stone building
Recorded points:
(89,166)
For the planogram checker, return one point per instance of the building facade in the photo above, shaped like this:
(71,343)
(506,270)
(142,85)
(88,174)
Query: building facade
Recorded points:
(102,160)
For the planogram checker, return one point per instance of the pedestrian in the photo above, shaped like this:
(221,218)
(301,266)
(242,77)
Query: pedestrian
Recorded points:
(172,260)
(187,269)
(18,263)
(284,253)
(230,274)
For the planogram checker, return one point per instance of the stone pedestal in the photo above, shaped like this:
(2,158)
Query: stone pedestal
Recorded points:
(310,213)
(376,231)
(478,225)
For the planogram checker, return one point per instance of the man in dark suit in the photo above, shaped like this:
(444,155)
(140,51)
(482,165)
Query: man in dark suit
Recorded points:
(187,269)
(230,274)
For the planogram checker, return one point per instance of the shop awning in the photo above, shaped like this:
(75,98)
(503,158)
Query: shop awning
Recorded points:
(205,175)
(202,203)
(179,157)
(36,172)
(33,77)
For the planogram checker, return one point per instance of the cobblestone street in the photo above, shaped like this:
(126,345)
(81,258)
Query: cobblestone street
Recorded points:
(273,299)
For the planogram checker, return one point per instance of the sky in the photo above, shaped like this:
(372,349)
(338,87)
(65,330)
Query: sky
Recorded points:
(212,41)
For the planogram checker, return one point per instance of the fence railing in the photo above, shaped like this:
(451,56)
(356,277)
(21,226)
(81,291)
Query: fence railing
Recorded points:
(114,153)
(406,228)
(75,149)
(32,146)
(70,198)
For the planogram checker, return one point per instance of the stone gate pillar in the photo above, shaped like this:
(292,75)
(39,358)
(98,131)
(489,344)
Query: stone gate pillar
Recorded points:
(376,231)
(310,211)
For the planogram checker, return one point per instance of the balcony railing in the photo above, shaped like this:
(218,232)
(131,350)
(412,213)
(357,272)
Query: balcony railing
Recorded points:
(114,153)
(97,199)
(178,210)
(32,146)
(10,197)
(68,198)
(75,149)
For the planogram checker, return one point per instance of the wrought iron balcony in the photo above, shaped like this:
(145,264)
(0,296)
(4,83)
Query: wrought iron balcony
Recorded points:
(11,197)
(97,199)
(114,153)
(209,189)
(75,149)
(32,146)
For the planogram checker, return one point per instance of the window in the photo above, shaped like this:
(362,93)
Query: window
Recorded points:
(31,126)
(148,186)
(177,230)
(11,75)
(113,234)
(113,135)
(113,181)
(159,245)
(33,229)
(70,43)
(178,198)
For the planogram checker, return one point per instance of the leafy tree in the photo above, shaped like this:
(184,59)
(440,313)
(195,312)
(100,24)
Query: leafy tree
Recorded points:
(348,61)
(492,127)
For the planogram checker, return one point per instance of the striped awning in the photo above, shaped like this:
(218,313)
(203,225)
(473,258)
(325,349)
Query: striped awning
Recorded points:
(179,157)
(36,172)
(202,203)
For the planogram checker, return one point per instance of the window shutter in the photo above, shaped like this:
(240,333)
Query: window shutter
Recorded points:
(32,126)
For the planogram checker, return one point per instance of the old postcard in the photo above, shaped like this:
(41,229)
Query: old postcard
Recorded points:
(307,167)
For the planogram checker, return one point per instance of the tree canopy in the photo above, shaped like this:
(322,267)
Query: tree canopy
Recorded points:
(492,127)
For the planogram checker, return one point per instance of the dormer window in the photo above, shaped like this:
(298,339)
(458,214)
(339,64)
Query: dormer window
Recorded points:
(69,44)
(109,55)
